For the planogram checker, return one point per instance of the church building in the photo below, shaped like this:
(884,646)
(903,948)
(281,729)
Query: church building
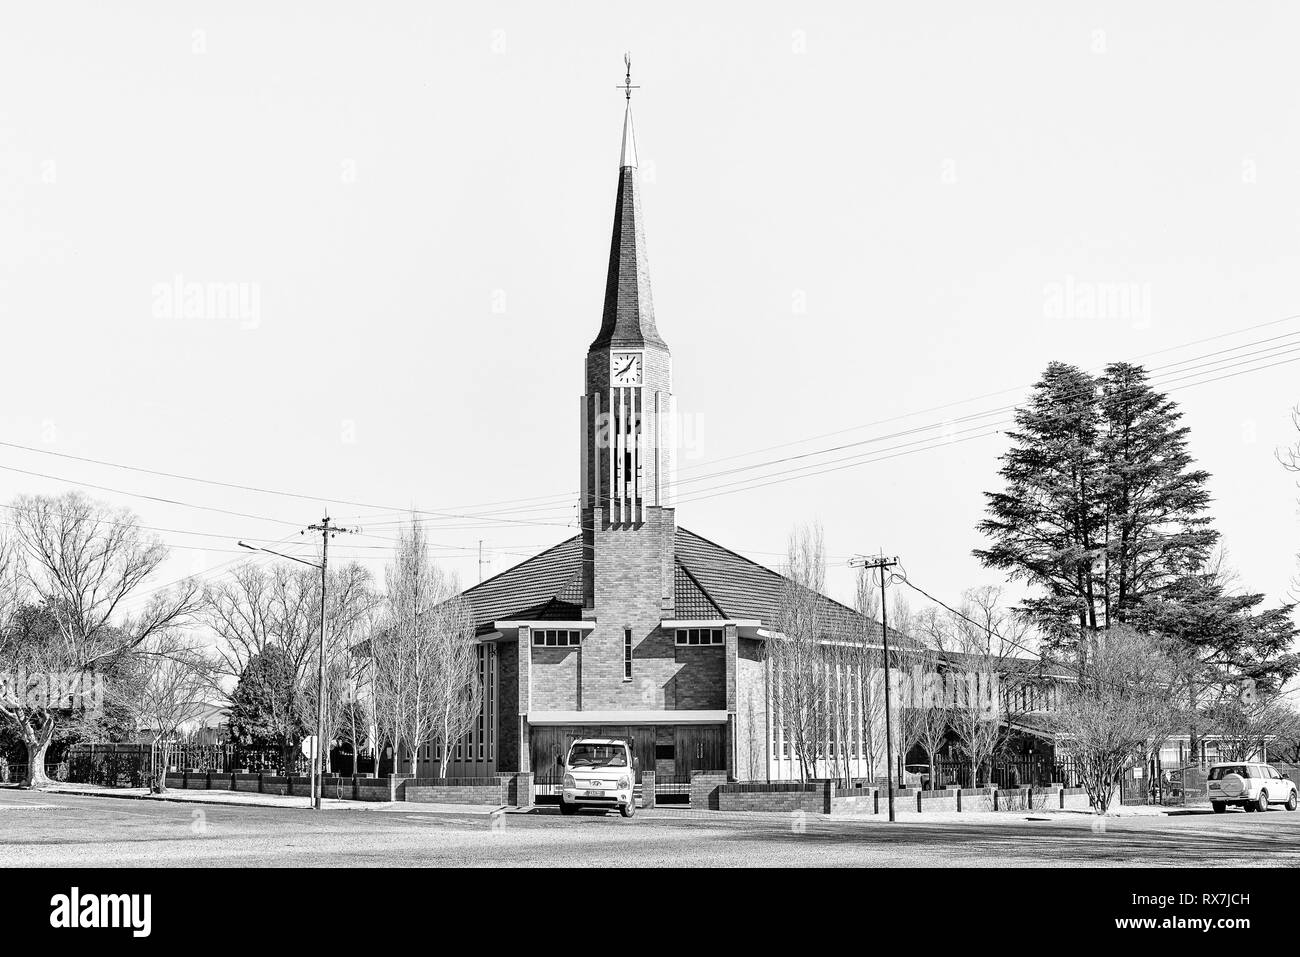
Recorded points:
(636,627)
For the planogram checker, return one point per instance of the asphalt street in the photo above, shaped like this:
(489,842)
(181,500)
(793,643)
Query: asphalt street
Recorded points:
(60,829)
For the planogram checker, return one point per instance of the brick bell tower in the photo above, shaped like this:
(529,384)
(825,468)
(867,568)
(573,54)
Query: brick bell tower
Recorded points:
(627,415)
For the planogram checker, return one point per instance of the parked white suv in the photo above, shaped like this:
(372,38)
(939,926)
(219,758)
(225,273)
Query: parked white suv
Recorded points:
(599,772)
(1249,784)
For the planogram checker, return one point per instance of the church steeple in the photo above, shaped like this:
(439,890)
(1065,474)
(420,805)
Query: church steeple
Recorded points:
(626,416)
(629,315)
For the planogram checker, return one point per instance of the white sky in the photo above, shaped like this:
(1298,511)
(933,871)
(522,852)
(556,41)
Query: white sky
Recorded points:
(421,198)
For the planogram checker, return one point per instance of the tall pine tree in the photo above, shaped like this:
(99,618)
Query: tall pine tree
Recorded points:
(1153,501)
(1101,508)
(1046,525)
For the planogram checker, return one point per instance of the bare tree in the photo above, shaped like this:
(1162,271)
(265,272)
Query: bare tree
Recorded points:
(1129,696)
(425,655)
(986,651)
(928,708)
(799,661)
(165,685)
(1245,728)
(259,605)
(870,674)
(1287,742)
(83,559)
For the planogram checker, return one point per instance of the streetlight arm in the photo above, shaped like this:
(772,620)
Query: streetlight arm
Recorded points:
(292,558)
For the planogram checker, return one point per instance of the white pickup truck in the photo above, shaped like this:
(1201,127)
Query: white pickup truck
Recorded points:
(599,772)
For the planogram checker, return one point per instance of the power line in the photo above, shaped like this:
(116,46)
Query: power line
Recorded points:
(490,516)
(868,458)
(981,625)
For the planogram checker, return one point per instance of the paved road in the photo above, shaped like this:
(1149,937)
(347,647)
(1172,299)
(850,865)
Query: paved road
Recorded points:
(44,829)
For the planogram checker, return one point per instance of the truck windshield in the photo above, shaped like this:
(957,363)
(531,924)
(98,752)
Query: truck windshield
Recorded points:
(598,756)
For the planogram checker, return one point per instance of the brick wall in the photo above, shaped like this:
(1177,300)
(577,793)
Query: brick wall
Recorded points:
(856,801)
(664,676)
(333,786)
(704,789)
(814,797)
(515,789)
(628,589)
(555,678)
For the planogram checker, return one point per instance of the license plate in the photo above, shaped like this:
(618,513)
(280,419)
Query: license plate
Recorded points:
(593,794)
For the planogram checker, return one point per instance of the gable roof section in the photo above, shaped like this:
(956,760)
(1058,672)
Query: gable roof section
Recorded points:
(547,586)
(741,588)
(690,600)
(709,581)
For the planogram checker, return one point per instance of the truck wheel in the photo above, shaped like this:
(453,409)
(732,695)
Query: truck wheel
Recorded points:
(566,808)
(1219,806)
(1263,801)
(1291,801)
(628,809)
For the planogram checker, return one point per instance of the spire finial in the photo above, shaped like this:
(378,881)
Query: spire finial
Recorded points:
(628,86)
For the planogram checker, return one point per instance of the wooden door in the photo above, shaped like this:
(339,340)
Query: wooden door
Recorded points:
(699,748)
(643,747)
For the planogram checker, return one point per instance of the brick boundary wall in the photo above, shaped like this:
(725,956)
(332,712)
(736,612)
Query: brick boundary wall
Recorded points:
(777,796)
(704,789)
(825,797)
(512,788)
(333,785)
(647,789)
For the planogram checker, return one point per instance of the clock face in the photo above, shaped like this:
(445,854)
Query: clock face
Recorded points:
(625,368)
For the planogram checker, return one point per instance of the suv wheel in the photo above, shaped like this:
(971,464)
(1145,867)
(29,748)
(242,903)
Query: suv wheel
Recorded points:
(1219,806)
(1291,801)
(1263,801)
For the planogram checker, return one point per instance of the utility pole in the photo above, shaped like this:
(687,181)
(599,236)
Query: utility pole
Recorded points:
(318,760)
(882,564)
(318,769)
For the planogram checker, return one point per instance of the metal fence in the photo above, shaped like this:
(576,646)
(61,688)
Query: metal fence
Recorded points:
(1005,773)
(672,788)
(130,765)
(17,773)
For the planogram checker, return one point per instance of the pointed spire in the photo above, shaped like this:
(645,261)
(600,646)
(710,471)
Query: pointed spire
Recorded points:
(628,156)
(629,315)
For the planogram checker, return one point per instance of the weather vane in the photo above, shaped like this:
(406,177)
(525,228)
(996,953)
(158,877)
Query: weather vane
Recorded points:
(627,86)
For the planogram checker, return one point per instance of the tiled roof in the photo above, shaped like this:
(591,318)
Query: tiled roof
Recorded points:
(546,586)
(709,582)
(690,600)
(745,589)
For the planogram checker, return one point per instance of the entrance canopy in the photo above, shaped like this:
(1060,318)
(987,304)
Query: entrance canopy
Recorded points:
(626,717)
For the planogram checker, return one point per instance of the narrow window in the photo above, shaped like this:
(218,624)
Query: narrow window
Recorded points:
(627,654)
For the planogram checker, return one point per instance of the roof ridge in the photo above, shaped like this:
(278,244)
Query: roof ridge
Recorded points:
(698,584)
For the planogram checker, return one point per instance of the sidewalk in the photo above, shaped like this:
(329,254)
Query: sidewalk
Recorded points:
(248,799)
